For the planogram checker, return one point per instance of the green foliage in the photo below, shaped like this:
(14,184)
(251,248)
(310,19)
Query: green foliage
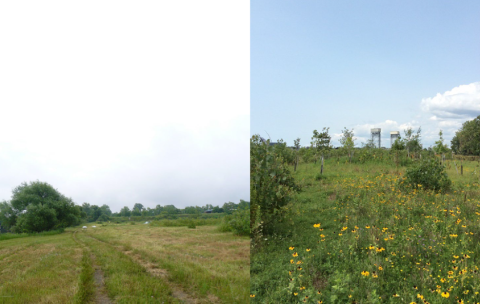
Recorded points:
(440,147)
(412,141)
(281,149)
(321,141)
(271,184)
(370,144)
(296,143)
(467,140)
(191,225)
(428,174)
(347,141)
(307,154)
(238,222)
(37,207)
(398,144)
(125,211)
(229,207)
(94,213)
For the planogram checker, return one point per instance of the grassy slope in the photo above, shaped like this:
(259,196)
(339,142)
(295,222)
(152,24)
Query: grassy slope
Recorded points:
(352,195)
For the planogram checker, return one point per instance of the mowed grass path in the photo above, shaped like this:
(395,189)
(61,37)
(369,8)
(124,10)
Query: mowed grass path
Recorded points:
(139,264)
(353,236)
(210,266)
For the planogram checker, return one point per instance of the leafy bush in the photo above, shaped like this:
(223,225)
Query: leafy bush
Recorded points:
(191,225)
(238,222)
(428,174)
(271,184)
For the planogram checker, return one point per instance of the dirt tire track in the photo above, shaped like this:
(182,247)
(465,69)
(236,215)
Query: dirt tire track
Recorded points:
(154,270)
(101,296)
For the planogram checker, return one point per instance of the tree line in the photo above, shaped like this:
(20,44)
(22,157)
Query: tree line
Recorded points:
(38,206)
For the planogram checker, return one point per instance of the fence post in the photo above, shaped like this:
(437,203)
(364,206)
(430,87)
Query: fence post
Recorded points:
(321,168)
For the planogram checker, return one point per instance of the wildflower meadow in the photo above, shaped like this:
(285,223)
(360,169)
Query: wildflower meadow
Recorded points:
(362,232)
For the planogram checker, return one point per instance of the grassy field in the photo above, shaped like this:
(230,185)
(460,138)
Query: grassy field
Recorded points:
(126,263)
(352,236)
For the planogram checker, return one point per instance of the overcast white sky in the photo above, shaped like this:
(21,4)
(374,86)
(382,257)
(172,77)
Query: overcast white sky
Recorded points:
(124,102)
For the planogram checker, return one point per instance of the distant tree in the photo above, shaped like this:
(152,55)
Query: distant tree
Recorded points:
(467,140)
(412,141)
(217,209)
(229,207)
(37,207)
(440,147)
(243,205)
(321,141)
(86,208)
(138,206)
(398,144)
(136,211)
(370,144)
(347,141)
(170,209)
(106,210)
(95,213)
(103,218)
(8,216)
(158,209)
(125,211)
(190,210)
(296,144)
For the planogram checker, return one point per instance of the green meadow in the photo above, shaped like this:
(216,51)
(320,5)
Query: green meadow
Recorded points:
(354,234)
(126,263)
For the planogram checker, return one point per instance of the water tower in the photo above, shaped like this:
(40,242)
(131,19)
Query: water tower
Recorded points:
(393,136)
(376,133)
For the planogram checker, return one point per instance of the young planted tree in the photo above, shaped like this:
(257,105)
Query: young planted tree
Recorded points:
(412,141)
(398,144)
(440,147)
(321,142)
(296,144)
(348,142)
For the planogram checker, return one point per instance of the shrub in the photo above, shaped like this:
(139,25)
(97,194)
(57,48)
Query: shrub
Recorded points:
(238,222)
(428,174)
(191,225)
(271,183)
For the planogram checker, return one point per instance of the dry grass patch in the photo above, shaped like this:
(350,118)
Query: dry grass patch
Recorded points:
(39,269)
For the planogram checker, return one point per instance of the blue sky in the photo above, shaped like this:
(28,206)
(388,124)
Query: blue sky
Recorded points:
(363,64)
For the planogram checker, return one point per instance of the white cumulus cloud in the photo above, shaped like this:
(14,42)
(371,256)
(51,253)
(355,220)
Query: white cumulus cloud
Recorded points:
(460,102)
